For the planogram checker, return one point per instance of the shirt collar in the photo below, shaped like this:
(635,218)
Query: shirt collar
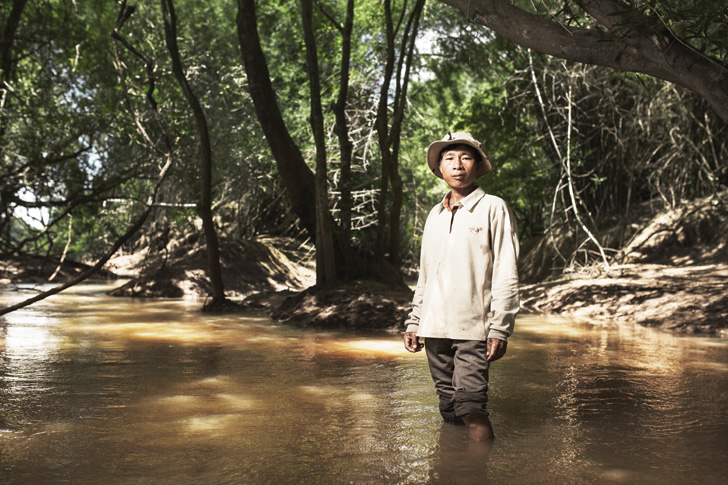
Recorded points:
(468,202)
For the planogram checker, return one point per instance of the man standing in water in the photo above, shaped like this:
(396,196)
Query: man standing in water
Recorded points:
(466,299)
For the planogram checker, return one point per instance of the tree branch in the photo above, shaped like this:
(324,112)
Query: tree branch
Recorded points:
(297,177)
(101,262)
(124,14)
(330,17)
(664,57)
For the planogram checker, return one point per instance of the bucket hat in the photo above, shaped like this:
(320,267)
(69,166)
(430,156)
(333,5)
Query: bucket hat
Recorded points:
(456,138)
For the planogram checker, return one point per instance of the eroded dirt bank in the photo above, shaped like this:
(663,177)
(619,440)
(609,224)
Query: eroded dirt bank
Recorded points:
(687,299)
(673,275)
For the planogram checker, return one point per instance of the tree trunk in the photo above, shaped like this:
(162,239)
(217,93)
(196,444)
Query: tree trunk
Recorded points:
(407,49)
(296,176)
(7,67)
(382,128)
(654,51)
(213,248)
(341,128)
(388,136)
(396,210)
(325,258)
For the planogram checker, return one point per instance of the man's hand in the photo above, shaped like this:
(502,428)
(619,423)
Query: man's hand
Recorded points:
(411,342)
(496,348)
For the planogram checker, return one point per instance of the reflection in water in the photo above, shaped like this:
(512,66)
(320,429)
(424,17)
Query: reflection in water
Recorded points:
(95,389)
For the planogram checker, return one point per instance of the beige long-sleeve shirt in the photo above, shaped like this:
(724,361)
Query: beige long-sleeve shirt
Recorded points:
(468,283)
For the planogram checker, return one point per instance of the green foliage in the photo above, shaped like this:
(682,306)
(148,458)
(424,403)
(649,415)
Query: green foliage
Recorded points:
(471,88)
(701,23)
(51,127)
(68,142)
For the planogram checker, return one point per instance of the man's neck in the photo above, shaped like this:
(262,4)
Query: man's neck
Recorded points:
(456,195)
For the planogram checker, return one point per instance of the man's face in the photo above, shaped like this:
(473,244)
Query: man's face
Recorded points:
(459,167)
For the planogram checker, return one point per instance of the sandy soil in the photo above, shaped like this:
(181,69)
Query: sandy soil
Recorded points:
(689,299)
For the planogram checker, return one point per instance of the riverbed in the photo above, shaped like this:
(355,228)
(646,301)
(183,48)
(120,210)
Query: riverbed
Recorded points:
(95,389)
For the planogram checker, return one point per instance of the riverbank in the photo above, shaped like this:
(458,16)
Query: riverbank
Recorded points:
(687,298)
(673,275)
(682,299)
(691,299)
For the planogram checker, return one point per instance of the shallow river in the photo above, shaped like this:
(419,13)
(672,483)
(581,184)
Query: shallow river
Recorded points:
(95,389)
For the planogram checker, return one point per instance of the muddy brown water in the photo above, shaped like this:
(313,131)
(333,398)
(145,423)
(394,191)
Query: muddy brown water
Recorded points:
(96,389)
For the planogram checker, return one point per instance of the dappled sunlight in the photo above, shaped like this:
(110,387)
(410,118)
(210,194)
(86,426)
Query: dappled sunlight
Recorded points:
(33,340)
(628,346)
(320,390)
(20,340)
(338,397)
(617,475)
(374,347)
(709,342)
(213,395)
(235,402)
(59,427)
(217,381)
(182,333)
(179,401)
(210,423)
(165,327)
(262,339)
(552,325)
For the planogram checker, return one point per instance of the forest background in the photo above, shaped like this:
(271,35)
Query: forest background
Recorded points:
(186,127)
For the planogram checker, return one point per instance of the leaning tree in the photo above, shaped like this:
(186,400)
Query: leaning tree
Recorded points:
(681,42)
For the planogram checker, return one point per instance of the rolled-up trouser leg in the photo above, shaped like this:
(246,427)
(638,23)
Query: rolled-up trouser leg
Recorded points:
(460,371)
(470,378)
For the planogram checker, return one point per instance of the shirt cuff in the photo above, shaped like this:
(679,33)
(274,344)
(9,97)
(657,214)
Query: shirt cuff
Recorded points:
(494,333)
(412,327)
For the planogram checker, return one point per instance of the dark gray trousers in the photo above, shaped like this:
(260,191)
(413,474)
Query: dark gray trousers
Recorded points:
(460,371)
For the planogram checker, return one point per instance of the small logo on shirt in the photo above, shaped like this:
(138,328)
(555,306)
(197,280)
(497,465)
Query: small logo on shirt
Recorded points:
(475,230)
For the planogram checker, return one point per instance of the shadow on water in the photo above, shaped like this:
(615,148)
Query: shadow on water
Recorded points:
(95,389)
